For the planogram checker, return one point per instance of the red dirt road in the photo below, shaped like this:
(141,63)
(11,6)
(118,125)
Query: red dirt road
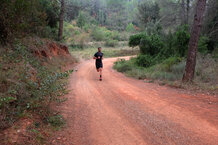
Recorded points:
(125,111)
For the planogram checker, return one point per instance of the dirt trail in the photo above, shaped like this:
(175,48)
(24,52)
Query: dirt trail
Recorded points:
(125,111)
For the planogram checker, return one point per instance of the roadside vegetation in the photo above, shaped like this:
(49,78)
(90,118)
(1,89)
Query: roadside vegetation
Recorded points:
(83,41)
(33,71)
(163,54)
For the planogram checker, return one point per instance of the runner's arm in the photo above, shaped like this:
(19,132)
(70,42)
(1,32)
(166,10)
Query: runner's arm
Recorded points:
(95,56)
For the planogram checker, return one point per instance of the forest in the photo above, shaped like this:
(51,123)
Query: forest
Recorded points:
(169,42)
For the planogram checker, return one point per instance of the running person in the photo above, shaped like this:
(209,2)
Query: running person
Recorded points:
(99,65)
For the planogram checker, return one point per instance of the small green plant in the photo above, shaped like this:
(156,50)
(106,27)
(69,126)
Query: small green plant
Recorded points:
(130,28)
(56,121)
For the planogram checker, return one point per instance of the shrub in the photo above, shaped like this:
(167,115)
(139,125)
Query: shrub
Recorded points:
(81,40)
(144,60)
(169,48)
(81,21)
(168,63)
(151,45)
(122,65)
(115,35)
(130,27)
(181,40)
(178,68)
(86,28)
(203,44)
(98,34)
(111,43)
(135,40)
(27,85)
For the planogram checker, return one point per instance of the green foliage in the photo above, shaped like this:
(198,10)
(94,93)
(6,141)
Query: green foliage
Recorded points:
(135,40)
(169,47)
(182,37)
(170,70)
(24,16)
(122,65)
(148,12)
(103,34)
(167,64)
(98,34)
(162,46)
(130,28)
(56,121)
(115,35)
(203,44)
(81,21)
(151,45)
(144,60)
(26,84)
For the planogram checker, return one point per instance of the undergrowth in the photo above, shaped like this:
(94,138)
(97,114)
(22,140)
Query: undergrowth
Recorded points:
(171,70)
(29,84)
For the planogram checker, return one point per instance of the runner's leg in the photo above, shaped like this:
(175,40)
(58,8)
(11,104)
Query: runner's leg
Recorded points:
(100,73)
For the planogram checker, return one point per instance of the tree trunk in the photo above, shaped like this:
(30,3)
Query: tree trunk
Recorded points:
(193,43)
(187,11)
(183,16)
(61,21)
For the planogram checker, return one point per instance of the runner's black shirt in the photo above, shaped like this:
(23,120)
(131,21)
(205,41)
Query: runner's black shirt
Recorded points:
(97,54)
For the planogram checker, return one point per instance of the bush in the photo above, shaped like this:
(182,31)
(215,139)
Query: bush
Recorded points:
(130,27)
(81,21)
(181,41)
(98,34)
(81,40)
(169,48)
(28,85)
(203,44)
(122,65)
(151,45)
(135,40)
(115,35)
(103,34)
(111,43)
(168,63)
(144,60)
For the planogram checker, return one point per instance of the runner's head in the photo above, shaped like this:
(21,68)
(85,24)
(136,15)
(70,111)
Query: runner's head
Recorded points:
(99,49)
